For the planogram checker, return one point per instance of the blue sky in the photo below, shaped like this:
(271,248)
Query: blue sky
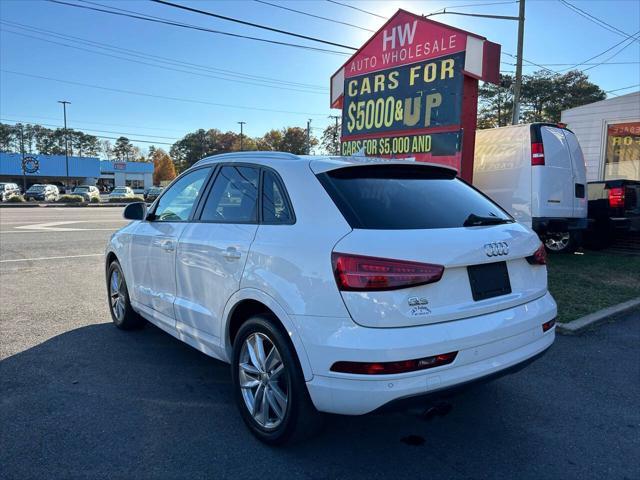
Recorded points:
(553,34)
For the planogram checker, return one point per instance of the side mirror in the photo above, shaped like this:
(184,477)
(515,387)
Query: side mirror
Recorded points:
(135,211)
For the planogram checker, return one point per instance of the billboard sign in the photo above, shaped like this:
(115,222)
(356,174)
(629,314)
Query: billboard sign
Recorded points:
(411,92)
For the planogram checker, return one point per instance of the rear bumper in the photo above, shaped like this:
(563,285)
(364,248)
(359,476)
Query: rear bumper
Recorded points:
(487,345)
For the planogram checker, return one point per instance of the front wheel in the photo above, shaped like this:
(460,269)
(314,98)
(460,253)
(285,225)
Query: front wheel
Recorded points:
(122,313)
(269,386)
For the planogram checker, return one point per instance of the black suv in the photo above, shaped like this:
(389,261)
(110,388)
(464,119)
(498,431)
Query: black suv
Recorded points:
(614,209)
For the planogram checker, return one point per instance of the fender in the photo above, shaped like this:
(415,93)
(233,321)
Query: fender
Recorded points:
(281,314)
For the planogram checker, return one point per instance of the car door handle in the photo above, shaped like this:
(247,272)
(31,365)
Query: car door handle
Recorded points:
(232,253)
(166,245)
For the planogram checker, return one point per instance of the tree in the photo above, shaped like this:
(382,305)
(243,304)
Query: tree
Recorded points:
(106,149)
(7,133)
(294,140)
(163,167)
(270,140)
(123,150)
(544,96)
(495,103)
(330,141)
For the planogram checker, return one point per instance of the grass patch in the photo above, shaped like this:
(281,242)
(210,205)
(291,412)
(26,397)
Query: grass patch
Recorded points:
(583,284)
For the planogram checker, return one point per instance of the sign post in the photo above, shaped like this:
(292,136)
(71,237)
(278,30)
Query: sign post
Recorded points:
(411,91)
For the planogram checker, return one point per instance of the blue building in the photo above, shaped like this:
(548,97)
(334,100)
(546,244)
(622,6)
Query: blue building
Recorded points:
(81,171)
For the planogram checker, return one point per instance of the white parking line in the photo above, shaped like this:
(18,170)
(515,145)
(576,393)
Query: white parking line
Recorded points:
(50,258)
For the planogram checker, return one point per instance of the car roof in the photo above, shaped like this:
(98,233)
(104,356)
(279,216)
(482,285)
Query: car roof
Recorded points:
(317,163)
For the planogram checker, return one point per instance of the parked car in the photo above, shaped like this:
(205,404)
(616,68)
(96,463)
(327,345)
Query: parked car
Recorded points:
(42,193)
(614,209)
(332,284)
(537,173)
(121,192)
(153,193)
(87,192)
(8,190)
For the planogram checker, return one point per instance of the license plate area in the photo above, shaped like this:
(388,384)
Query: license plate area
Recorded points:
(489,280)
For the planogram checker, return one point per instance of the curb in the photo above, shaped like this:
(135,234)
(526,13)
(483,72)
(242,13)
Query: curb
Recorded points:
(578,326)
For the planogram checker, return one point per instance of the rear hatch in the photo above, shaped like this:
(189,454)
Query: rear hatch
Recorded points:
(426,247)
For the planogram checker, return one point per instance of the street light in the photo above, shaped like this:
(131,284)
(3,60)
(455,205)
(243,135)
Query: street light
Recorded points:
(241,135)
(66,137)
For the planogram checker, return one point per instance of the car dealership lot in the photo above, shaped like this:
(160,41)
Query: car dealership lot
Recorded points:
(83,399)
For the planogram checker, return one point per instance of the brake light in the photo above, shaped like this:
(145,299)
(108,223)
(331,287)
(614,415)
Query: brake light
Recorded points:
(539,257)
(388,368)
(548,325)
(537,153)
(616,197)
(357,272)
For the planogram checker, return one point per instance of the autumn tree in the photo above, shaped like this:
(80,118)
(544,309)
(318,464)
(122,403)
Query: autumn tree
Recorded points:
(163,167)
(330,141)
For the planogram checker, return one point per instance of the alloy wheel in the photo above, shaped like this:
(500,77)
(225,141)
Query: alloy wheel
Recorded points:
(557,242)
(263,379)
(117,294)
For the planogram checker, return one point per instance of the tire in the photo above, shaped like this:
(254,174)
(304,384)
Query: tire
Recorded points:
(561,242)
(122,313)
(284,411)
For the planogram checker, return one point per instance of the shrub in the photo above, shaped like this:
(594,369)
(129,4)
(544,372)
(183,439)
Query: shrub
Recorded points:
(95,200)
(126,200)
(71,199)
(16,199)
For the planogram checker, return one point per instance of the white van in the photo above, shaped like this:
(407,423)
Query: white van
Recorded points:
(537,173)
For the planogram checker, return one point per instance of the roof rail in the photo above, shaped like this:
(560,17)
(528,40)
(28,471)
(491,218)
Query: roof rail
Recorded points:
(248,154)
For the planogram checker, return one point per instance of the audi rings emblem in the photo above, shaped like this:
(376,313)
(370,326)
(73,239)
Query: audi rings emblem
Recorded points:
(494,249)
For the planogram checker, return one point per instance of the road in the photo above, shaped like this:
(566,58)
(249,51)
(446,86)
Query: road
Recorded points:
(81,399)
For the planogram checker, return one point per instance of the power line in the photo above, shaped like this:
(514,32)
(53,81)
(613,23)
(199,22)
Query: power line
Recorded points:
(623,88)
(610,56)
(149,18)
(282,7)
(144,55)
(80,128)
(164,97)
(94,123)
(164,67)
(593,19)
(603,52)
(102,136)
(251,24)
(356,8)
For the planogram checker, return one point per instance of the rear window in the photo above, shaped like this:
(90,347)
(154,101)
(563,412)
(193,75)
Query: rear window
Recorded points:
(399,197)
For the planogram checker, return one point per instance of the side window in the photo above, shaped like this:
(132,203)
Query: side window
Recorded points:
(275,209)
(178,201)
(233,197)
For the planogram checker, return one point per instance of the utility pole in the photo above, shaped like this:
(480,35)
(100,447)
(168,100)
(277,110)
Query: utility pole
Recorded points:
(24,174)
(66,138)
(518,85)
(336,145)
(309,137)
(241,135)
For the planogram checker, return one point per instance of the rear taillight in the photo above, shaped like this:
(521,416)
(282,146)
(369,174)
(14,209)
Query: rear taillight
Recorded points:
(537,153)
(539,257)
(388,368)
(546,326)
(357,272)
(616,197)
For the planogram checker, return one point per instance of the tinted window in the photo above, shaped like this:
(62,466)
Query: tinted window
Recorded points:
(178,201)
(233,197)
(392,197)
(275,208)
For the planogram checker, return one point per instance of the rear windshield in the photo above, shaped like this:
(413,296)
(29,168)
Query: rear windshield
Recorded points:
(399,197)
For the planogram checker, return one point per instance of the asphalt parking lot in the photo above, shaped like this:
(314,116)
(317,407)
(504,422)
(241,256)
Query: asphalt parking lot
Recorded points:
(81,399)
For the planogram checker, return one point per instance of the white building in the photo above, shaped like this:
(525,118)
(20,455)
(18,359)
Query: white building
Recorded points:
(609,134)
